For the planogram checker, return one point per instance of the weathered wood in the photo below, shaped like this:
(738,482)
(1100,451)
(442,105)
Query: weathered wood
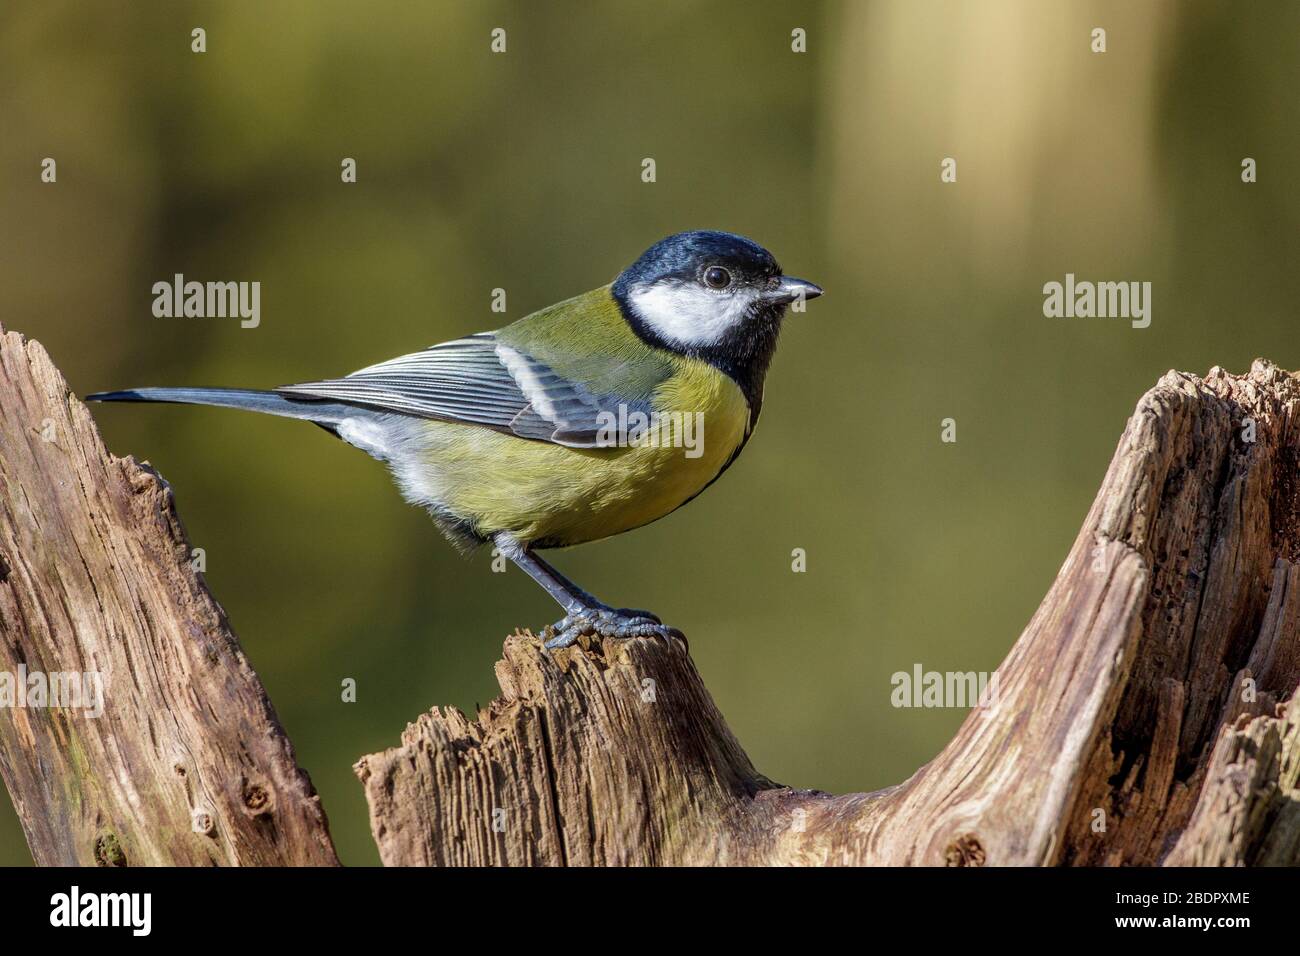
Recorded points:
(1146,715)
(187,763)
(612,754)
(1137,720)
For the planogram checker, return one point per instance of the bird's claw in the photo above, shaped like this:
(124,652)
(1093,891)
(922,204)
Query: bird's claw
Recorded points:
(633,612)
(607,622)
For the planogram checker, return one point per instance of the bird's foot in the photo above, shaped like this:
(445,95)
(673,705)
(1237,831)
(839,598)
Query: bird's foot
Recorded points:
(609,622)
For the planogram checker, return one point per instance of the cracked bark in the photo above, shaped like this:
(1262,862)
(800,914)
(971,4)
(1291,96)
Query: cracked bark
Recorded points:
(1145,716)
(187,764)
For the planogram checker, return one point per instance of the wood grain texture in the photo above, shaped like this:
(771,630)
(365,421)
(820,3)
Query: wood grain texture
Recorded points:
(1145,716)
(187,765)
(1141,718)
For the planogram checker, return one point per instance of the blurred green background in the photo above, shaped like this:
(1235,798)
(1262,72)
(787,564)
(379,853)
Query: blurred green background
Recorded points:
(522,170)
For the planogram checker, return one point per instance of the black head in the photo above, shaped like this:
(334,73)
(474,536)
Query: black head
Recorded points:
(714,296)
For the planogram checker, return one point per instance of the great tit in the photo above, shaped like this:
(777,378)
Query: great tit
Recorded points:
(583,420)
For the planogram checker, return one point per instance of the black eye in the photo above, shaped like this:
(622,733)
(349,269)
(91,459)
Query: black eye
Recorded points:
(716,277)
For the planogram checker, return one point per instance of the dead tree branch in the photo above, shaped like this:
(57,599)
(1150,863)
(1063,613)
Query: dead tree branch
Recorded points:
(1140,718)
(187,764)
(1145,716)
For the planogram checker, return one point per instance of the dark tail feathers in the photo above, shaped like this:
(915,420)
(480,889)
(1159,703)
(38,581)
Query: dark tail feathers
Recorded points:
(270,403)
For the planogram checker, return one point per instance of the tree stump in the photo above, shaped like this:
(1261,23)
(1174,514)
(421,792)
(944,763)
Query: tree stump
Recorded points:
(187,764)
(1139,719)
(1145,716)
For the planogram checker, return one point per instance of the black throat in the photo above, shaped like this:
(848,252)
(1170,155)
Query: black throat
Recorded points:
(743,354)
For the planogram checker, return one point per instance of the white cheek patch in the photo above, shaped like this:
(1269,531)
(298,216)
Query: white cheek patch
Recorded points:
(688,314)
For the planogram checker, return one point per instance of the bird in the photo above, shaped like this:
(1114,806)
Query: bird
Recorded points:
(585,419)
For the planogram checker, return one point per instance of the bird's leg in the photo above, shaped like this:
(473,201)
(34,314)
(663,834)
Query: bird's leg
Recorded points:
(587,599)
(583,613)
(568,596)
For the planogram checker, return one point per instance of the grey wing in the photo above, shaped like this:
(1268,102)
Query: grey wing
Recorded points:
(479,381)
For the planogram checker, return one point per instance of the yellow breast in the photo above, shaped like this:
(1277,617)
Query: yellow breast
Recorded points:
(557,496)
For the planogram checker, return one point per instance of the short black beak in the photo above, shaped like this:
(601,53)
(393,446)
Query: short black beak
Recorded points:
(790,289)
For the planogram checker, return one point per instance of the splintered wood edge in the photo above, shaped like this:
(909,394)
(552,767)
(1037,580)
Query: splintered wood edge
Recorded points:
(204,782)
(1006,790)
(614,752)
